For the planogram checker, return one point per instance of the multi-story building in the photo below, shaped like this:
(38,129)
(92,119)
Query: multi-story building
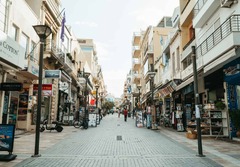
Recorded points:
(19,55)
(209,29)
(19,63)
(147,48)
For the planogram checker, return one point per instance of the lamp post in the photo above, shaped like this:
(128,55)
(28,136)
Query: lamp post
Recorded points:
(152,74)
(85,123)
(97,86)
(139,87)
(43,31)
(198,117)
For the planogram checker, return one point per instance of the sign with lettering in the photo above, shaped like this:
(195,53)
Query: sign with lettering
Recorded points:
(46,89)
(11,51)
(53,74)
(11,86)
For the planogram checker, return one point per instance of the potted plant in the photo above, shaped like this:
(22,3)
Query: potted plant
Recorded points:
(235,120)
(220,105)
(69,56)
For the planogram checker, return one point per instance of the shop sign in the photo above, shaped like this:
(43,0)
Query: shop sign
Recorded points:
(11,50)
(11,86)
(46,89)
(33,68)
(53,74)
(63,86)
(7,137)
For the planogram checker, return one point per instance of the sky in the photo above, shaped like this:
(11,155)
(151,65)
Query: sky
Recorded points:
(111,24)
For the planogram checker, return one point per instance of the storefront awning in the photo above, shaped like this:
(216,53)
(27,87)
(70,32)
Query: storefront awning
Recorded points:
(169,87)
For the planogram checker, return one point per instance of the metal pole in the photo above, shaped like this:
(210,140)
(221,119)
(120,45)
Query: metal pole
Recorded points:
(139,96)
(196,95)
(152,91)
(85,108)
(37,136)
(96,98)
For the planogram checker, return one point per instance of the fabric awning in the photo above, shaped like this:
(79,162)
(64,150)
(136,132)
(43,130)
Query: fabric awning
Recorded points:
(169,87)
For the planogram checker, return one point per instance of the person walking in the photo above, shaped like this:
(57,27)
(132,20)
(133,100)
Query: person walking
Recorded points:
(119,112)
(133,113)
(125,112)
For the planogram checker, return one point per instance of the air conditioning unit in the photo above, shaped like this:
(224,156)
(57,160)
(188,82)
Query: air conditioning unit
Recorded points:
(226,3)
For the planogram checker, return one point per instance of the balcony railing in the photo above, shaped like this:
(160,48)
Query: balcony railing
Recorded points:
(198,6)
(232,24)
(55,9)
(69,62)
(56,51)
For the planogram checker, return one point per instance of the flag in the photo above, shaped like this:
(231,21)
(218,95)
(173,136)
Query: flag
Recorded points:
(63,25)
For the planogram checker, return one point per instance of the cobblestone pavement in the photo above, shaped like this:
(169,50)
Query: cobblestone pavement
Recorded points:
(115,143)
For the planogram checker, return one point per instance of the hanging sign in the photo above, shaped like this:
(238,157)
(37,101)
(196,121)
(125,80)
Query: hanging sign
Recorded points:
(53,74)
(46,89)
(11,86)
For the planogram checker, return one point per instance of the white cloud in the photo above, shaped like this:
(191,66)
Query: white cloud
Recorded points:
(87,23)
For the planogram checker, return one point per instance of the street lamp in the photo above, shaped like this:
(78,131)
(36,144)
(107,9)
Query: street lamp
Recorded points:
(139,87)
(97,86)
(197,101)
(43,31)
(85,123)
(152,74)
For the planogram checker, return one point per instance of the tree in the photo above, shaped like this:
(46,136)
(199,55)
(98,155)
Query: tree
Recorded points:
(108,105)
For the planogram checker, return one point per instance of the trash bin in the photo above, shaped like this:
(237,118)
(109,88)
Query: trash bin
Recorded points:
(129,114)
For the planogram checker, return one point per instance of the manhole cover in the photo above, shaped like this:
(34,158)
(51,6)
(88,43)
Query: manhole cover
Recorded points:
(119,137)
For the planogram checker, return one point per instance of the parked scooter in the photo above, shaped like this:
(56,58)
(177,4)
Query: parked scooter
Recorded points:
(56,127)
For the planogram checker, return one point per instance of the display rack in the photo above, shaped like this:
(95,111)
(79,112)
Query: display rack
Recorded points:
(179,113)
(213,122)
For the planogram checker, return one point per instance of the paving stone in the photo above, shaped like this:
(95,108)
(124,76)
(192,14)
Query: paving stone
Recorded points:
(100,147)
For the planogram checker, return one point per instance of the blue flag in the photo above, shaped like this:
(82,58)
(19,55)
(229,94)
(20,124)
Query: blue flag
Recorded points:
(63,25)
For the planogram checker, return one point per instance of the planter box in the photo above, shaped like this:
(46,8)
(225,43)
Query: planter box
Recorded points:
(191,136)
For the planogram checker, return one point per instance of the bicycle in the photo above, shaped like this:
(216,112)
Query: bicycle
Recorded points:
(82,122)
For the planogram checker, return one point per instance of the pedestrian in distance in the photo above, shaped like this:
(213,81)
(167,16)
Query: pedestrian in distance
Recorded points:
(125,113)
(133,113)
(119,113)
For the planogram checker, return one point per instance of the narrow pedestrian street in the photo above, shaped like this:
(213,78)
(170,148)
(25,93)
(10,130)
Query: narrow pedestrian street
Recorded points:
(114,143)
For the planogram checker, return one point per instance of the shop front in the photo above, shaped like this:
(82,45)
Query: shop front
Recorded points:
(232,79)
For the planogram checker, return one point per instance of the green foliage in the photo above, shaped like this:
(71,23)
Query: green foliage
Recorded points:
(220,105)
(235,118)
(108,105)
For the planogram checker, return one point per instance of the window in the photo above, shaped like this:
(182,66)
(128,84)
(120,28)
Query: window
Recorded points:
(32,54)
(14,32)
(186,62)
(178,59)
(24,42)
(173,64)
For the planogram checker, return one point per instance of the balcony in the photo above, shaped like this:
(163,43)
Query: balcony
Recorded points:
(136,52)
(187,72)
(54,8)
(56,56)
(136,38)
(203,10)
(135,91)
(136,78)
(148,52)
(136,64)
(225,37)
(187,14)
(68,65)
(187,49)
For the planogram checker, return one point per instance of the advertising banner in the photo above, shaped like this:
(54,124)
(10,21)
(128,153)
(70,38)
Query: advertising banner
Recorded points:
(7,132)
(46,89)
